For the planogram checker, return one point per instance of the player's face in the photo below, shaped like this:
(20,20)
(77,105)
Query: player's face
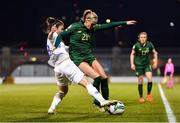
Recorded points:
(53,28)
(91,20)
(169,60)
(60,29)
(142,38)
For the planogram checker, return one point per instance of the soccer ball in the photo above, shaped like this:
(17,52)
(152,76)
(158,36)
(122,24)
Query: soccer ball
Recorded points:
(117,108)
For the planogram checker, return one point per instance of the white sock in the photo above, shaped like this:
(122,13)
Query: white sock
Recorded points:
(56,100)
(94,92)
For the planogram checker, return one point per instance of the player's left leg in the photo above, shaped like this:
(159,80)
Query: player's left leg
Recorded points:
(149,86)
(104,82)
(171,81)
(168,81)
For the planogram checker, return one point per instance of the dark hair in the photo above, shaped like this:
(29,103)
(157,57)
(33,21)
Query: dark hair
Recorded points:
(50,21)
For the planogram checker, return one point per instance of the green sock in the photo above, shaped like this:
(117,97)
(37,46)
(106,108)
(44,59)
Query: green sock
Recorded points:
(149,87)
(96,84)
(105,88)
(140,89)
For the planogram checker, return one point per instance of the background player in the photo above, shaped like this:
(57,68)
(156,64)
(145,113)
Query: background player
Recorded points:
(140,62)
(169,73)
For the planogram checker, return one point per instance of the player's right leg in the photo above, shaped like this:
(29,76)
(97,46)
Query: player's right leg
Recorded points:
(94,93)
(62,83)
(140,88)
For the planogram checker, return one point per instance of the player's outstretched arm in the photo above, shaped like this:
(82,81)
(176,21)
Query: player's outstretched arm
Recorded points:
(114,24)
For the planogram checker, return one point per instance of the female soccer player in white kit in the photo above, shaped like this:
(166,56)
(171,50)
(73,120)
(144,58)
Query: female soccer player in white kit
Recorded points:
(65,70)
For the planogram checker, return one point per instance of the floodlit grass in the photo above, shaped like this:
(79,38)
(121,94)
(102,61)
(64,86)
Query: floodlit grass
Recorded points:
(173,96)
(23,103)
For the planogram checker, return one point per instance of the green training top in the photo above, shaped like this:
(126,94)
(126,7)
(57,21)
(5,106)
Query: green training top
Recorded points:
(142,53)
(81,38)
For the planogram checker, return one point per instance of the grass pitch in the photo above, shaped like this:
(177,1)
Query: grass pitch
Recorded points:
(23,103)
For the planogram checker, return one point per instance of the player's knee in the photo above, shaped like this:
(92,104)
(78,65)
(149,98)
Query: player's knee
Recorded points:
(149,79)
(58,76)
(84,82)
(140,80)
(104,76)
(60,94)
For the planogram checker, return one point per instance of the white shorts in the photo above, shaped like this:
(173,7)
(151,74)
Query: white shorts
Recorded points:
(67,70)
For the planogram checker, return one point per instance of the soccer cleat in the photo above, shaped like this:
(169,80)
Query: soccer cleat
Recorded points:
(141,100)
(101,109)
(149,98)
(97,105)
(108,102)
(51,111)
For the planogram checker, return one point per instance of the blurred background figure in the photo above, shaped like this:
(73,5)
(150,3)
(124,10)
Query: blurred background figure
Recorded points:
(169,73)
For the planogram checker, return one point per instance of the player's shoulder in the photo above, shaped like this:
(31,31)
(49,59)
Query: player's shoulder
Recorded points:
(55,34)
(76,24)
(150,44)
(135,45)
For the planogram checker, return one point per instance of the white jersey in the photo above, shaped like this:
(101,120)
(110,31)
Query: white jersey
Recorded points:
(59,54)
(64,68)
(50,45)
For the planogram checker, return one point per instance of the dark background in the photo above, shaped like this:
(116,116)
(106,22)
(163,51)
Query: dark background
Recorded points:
(21,21)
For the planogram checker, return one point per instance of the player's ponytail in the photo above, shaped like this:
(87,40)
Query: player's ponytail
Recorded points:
(51,21)
(46,26)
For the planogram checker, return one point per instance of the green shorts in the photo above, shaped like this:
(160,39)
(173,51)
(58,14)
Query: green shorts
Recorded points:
(142,70)
(79,58)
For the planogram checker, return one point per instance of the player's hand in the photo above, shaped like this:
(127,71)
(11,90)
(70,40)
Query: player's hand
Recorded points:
(155,64)
(131,22)
(132,66)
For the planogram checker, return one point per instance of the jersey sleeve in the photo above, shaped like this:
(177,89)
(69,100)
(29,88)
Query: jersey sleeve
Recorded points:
(151,46)
(62,35)
(134,47)
(109,25)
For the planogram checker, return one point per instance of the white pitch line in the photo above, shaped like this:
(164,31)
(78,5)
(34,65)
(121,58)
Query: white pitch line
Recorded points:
(169,112)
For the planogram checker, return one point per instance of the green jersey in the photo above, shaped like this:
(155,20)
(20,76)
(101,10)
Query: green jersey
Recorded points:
(81,38)
(142,54)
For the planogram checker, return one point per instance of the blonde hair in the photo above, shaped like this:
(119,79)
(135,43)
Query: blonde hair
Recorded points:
(142,33)
(86,12)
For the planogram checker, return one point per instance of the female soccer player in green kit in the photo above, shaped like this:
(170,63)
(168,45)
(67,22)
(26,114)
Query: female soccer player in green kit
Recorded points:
(140,62)
(81,37)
